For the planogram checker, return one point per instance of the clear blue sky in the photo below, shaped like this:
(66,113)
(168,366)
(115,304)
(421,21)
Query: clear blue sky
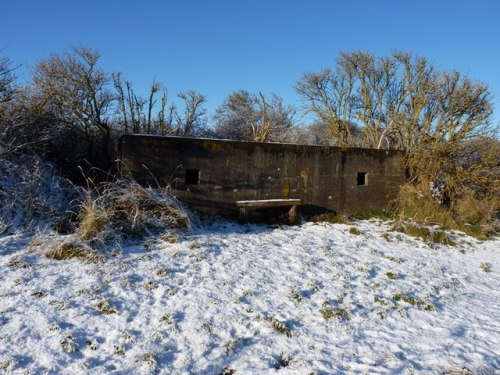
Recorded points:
(218,46)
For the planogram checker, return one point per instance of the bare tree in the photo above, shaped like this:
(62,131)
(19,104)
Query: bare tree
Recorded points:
(7,80)
(191,121)
(244,116)
(77,93)
(330,98)
(135,112)
(403,103)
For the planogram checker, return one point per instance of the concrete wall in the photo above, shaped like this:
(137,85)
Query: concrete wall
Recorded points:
(211,175)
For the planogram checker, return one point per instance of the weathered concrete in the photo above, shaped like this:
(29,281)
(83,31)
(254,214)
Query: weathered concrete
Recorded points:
(211,175)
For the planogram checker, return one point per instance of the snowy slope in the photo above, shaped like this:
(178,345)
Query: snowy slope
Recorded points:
(246,299)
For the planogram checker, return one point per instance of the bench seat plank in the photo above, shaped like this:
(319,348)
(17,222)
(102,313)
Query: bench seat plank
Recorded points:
(269,203)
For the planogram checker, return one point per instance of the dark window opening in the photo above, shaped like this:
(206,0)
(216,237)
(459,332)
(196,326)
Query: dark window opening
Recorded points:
(192,176)
(362,179)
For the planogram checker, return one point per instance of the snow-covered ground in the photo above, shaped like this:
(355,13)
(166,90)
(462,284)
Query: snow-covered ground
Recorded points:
(247,299)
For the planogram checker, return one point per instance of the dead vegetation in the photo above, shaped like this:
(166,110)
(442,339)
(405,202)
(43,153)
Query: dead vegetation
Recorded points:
(73,222)
(331,217)
(421,215)
(125,210)
(31,194)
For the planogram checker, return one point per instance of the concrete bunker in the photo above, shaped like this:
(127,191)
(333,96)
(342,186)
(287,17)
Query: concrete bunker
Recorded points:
(211,175)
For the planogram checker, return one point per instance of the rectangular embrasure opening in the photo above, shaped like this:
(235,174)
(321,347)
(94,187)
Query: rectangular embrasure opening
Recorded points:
(192,176)
(362,178)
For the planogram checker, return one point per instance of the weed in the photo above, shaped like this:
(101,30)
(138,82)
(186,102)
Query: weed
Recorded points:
(119,350)
(17,262)
(430,235)
(39,294)
(470,214)
(392,275)
(104,308)
(281,327)
(380,300)
(169,292)
(283,360)
(384,215)
(127,337)
(354,230)
(7,365)
(92,345)
(207,327)
(330,217)
(412,301)
(54,327)
(393,259)
(315,287)
(59,305)
(227,371)
(169,237)
(69,249)
(150,285)
(329,313)
(386,236)
(230,345)
(68,343)
(194,245)
(93,220)
(486,267)
(148,359)
(167,319)
(296,296)
(162,272)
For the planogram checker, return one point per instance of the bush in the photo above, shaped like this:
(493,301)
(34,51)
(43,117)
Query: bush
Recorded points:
(31,194)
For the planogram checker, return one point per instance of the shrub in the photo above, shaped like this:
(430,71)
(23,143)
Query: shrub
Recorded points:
(31,194)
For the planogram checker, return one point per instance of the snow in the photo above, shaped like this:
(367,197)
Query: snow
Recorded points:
(313,298)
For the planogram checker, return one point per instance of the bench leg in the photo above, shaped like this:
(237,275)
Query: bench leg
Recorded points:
(243,212)
(292,214)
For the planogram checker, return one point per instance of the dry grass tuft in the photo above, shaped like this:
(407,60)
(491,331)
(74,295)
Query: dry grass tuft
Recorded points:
(475,211)
(414,205)
(474,216)
(63,250)
(429,234)
(330,217)
(125,210)
(93,220)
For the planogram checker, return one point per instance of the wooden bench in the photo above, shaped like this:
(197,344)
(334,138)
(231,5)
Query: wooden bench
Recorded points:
(292,214)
